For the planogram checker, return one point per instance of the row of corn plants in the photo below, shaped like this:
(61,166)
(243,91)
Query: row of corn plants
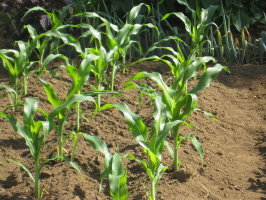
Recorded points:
(106,47)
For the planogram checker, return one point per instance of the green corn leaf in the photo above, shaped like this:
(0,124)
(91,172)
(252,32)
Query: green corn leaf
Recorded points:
(66,38)
(49,59)
(101,64)
(98,145)
(51,95)
(30,108)
(46,161)
(189,103)
(134,12)
(159,141)
(3,115)
(211,11)
(8,89)
(111,42)
(195,66)
(46,129)
(142,162)
(169,148)
(19,129)
(117,166)
(22,55)
(159,172)
(117,178)
(145,59)
(158,115)
(153,163)
(37,8)
(72,163)
(75,74)
(123,35)
(209,75)
(95,92)
(197,145)
(210,115)
(188,5)
(134,122)
(23,167)
(262,44)
(123,191)
(183,18)
(92,31)
(7,64)
(167,91)
(106,106)
(32,31)
(68,104)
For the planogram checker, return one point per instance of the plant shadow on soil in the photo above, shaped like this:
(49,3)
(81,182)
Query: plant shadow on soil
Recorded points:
(259,182)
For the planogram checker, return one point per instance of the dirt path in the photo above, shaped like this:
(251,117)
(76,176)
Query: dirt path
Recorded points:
(234,147)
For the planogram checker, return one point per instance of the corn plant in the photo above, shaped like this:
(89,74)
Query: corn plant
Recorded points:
(198,27)
(99,56)
(123,36)
(100,68)
(181,102)
(61,111)
(119,39)
(55,20)
(18,65)
(74,137)
(152,141)
(34,134)
(11,94)
(80,75)
(113,168)
(62,107)
(40,43)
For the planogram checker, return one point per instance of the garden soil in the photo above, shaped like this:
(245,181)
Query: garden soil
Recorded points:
(234,146)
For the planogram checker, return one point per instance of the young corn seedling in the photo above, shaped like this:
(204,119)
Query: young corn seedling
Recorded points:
(74,137)
(62,107)
(11,94)
(100,68)
(99,57)
(119,40)
(181,102)
(152,141)
(198,26)
(54,20)
(123,37)
(80,75)
(61,111)
(34,134)
(40,46)
(113,169)
(18,65)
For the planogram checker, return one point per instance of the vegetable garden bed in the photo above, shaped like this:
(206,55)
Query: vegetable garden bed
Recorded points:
(234,147)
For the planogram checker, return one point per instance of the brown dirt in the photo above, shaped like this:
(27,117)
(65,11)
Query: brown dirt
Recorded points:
(234,147)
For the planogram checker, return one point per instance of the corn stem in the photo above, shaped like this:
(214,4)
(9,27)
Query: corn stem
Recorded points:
(177,143)
(98,96)
(113,77)
(75,143)
(61,139)
(78,116)
(37,185)
(153,190)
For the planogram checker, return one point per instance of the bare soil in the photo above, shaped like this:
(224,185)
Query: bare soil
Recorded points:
(234,147)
